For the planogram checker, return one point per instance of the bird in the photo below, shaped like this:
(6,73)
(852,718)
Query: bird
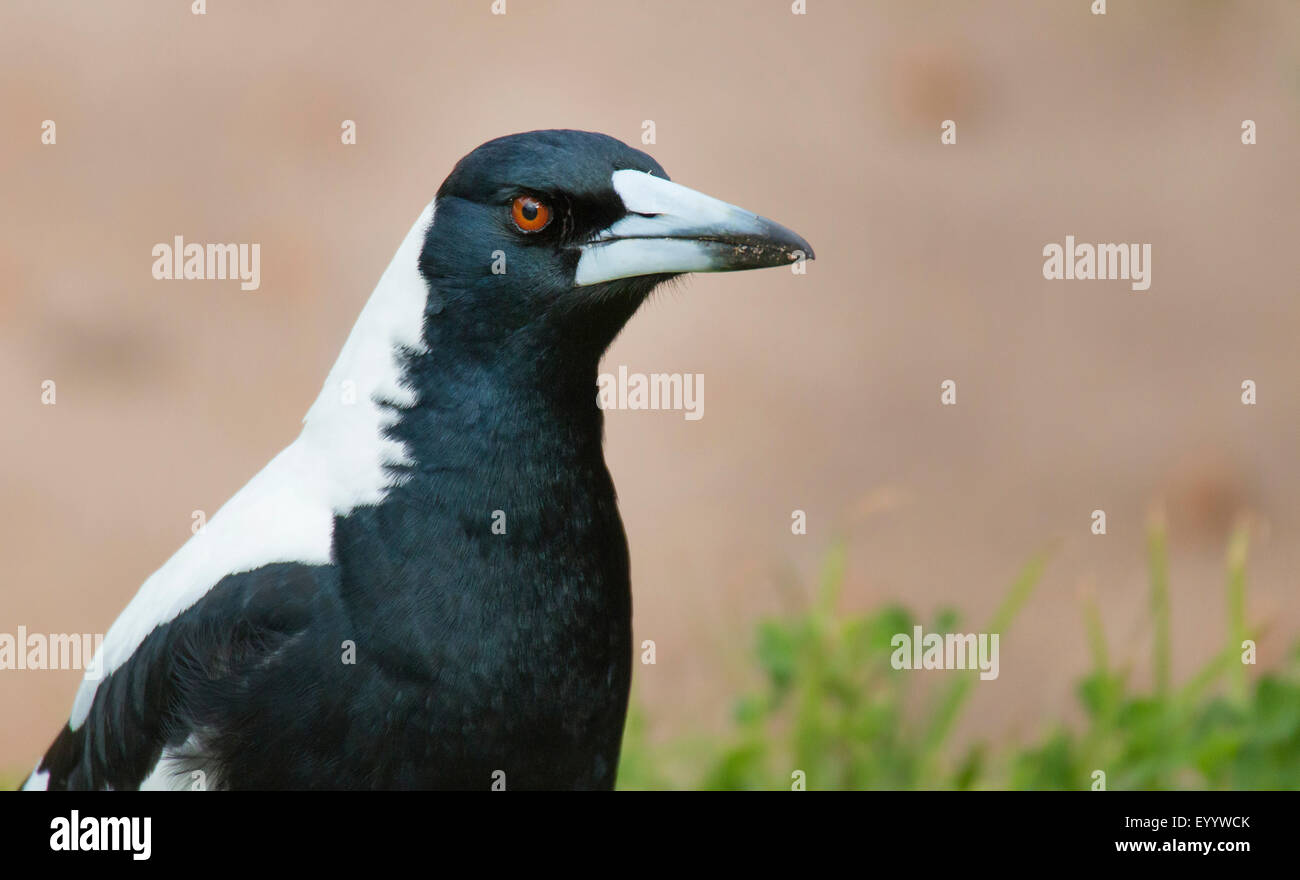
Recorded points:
(429,588)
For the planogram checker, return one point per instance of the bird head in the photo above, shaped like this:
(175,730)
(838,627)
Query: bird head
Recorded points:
(550,240)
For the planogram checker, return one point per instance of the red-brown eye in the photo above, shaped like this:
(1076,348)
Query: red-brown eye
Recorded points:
(530,213)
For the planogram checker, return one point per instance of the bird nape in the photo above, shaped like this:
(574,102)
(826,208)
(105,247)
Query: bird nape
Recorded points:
(429,587)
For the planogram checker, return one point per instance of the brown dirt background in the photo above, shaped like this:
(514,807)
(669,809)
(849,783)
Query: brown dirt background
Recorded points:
(821,391)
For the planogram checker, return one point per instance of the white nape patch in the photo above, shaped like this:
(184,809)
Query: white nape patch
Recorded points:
(348,435)
(38,781)
(286,512)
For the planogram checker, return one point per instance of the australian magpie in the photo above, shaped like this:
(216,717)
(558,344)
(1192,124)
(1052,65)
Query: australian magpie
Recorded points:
(429,588)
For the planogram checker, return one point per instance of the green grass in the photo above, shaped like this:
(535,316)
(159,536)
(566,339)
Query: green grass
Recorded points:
(832,706)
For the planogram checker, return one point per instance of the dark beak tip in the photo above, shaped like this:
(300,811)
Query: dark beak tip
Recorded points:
(799,249)
(794,244)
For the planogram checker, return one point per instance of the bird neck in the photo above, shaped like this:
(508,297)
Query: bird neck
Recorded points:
(500,531)
(505,418)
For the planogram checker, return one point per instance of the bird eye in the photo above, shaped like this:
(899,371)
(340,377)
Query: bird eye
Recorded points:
(530,213)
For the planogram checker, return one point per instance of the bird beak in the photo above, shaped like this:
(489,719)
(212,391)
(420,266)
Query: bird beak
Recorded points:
(670,229)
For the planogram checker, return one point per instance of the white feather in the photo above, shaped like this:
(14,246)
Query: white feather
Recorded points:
(286,513)
(38,781)
(178,770)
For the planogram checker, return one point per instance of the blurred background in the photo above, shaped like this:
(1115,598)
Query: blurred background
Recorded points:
(821,391)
